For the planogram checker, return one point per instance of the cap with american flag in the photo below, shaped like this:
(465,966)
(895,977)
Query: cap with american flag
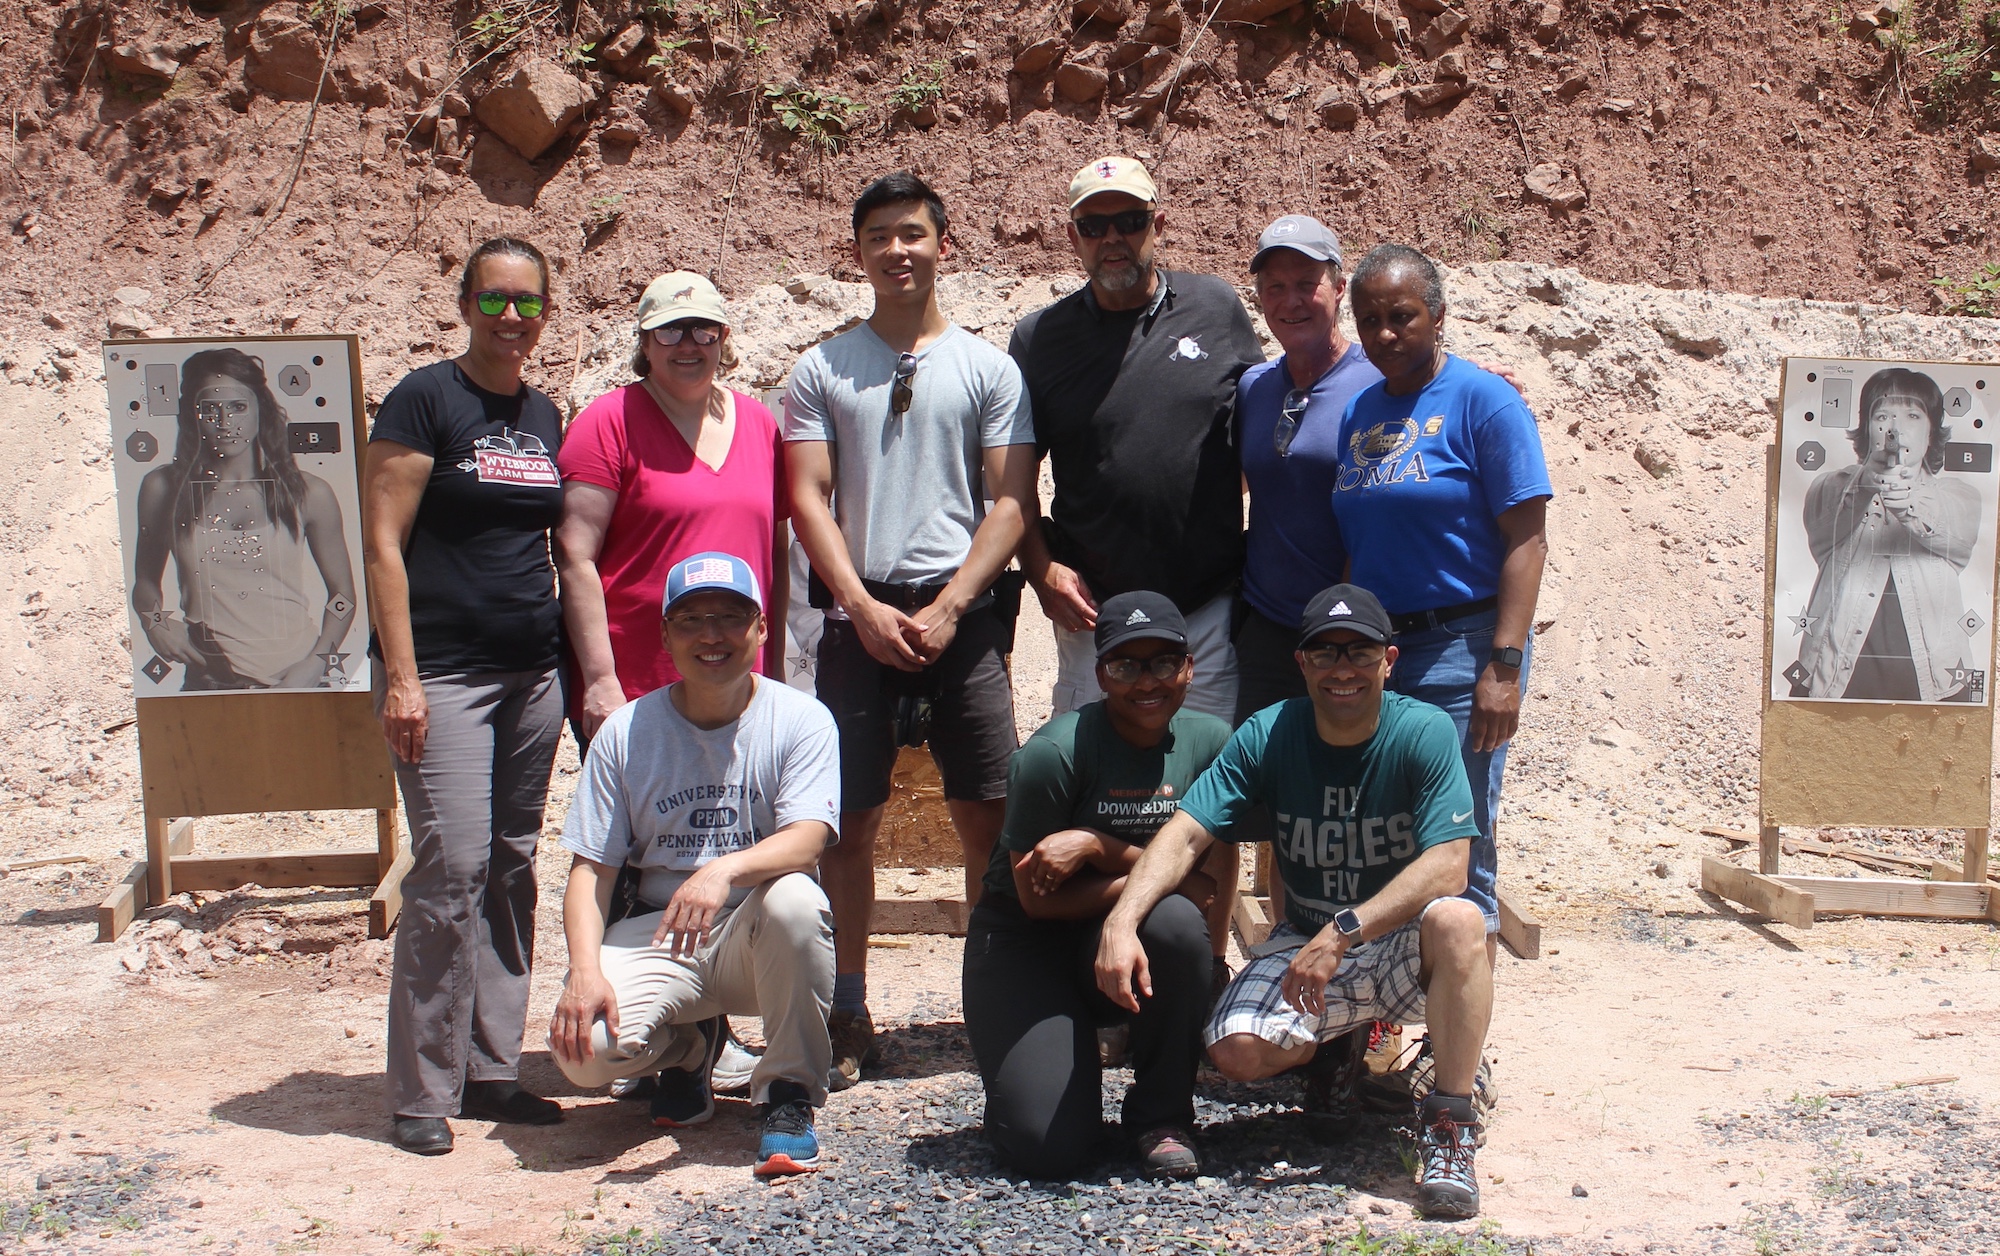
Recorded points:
(713,572)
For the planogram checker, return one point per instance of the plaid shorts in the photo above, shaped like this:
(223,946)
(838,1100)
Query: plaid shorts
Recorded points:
(1375,981)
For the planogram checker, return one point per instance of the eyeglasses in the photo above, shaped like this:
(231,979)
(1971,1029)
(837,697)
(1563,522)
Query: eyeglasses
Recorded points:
(1288,420)
(1130,223)
(1363,654)
(1162,666)
(903,393)
(526,304)
(703,334)
(688,623)
(217,411)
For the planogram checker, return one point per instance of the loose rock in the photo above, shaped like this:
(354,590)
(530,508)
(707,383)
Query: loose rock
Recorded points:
(1039,56)
(1081,83)
(533,107)
(1557,185)
(286,55)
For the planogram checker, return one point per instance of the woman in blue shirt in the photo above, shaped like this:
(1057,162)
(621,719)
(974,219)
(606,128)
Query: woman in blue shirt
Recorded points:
(1442,498)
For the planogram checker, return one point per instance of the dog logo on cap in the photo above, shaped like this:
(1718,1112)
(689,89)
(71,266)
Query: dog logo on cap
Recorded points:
(684,293)
(1138,617)
(1339,609)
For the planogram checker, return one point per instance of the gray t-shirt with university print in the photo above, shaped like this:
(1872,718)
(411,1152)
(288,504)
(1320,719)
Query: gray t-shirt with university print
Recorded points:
(662,794)
(908,488)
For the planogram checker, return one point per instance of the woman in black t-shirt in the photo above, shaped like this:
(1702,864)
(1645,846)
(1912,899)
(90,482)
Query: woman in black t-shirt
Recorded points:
(461,490)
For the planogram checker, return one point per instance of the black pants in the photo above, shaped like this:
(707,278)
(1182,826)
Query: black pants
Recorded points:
(1032,1010)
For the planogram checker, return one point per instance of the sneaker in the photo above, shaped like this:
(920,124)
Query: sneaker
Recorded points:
(1448,1136)
(682,1096)
(789,1144)
(1334,1073)
(1168,1152)
(853,1035)
(734,1065)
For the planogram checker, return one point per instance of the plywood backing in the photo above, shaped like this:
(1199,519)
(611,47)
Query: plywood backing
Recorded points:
(230,753)
(1902,765)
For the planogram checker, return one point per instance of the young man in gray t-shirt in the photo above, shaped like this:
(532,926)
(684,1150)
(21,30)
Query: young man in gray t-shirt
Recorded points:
(721,791)
(897,435)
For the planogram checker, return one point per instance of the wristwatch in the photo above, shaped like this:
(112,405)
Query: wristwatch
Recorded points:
(1505,656)
(1348,925)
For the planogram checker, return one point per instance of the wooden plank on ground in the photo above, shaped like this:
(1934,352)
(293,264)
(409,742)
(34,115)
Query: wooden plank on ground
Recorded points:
(284,869)
(1930,900)
(126,900)
(1766,895)
(1520,931)
(1252,918)
(180,836)
(919,915)
(387,902)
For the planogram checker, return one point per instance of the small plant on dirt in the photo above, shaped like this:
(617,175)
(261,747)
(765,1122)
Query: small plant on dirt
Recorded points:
(580,56)
(603,214)
(750,21)
(505,19)
(819,118)
(1363,1243)
(429,1241)
(920,88)
(1807,1106)
(1978,296)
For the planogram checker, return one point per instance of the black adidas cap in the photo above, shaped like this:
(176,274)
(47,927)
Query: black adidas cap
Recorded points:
(1138,617)
(1346,606)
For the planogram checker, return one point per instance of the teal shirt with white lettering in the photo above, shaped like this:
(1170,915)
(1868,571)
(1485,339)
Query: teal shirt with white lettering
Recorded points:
(1345,819)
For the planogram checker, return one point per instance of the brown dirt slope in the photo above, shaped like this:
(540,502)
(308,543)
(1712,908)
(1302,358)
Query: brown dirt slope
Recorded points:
(1787,149)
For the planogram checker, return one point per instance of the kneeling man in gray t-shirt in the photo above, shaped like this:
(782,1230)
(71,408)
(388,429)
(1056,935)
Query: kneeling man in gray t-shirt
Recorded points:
(719,791)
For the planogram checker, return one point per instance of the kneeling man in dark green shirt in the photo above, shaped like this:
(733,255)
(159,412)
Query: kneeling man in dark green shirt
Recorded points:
(1372,830)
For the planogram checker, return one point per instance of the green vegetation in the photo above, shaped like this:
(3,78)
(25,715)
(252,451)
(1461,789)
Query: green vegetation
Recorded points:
(1417,1244)
(920,88)
(821,119)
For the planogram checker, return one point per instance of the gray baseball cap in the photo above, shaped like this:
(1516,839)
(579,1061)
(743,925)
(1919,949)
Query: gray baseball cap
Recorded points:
(1301,234)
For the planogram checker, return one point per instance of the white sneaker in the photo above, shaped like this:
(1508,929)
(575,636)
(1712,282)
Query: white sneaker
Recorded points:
(734,1066)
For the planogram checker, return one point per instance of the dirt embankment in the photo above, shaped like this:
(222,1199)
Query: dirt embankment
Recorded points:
(1787,149)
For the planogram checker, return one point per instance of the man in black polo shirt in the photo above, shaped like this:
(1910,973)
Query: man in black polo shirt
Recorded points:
(1132,380)
(1133,384)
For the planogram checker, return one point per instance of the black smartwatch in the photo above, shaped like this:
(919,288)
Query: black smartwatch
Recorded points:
(1506,656)
(1348,925)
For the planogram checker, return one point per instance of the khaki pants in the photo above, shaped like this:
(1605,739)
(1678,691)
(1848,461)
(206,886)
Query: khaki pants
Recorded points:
(1214,687)
(770,957)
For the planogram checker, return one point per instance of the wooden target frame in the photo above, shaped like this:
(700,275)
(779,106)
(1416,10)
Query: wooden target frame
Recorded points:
(232,753)
(1875,765)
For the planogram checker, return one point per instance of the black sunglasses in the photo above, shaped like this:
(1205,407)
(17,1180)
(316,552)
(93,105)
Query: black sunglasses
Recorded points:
(1162,666)
(902,394)
(1363,654)
(1130,223)
(526,304)
(1288,420)
(703,334)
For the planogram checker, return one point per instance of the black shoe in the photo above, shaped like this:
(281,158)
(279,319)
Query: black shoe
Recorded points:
(508,1104)
(421,1135)
(1333,1073)
(682,1096)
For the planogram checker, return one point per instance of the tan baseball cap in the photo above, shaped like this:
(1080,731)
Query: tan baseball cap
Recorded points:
(678,295)
(1112,174)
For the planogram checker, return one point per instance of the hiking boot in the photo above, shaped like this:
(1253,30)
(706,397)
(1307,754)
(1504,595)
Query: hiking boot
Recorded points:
(853,1035)
(1168,1152)
(682,1096)
(1485,1091)
(1114,1046)
(1447,1137)
(734,1065)
(789,1144)
(1333,1073)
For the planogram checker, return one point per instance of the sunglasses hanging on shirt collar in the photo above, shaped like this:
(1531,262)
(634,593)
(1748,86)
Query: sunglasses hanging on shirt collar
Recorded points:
(903,393)
(1293,410)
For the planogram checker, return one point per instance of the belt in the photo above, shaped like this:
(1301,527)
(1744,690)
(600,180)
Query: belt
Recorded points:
(1420,621)
(910,598)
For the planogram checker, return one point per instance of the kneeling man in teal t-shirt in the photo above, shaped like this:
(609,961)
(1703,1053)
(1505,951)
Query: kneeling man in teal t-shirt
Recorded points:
(1372,832)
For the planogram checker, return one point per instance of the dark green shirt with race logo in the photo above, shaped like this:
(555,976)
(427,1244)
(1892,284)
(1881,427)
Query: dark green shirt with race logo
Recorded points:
(1346,819)
(1076,772)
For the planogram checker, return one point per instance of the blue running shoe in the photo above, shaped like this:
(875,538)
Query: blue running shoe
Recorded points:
(789,1144)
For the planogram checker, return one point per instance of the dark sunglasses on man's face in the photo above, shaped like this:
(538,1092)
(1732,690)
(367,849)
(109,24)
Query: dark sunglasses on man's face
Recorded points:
(1288,420)
(526,304)
(1130,223)
(1163,667)
(1362,654)
(903,393)
(703,334)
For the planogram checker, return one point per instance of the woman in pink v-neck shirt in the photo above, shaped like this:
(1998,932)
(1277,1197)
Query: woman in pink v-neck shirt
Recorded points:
(670,465)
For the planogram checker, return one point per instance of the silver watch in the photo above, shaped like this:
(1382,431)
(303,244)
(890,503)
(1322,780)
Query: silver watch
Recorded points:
(1348,925)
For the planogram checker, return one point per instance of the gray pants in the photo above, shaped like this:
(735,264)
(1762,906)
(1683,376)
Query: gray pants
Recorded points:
(458,999)
(771,956)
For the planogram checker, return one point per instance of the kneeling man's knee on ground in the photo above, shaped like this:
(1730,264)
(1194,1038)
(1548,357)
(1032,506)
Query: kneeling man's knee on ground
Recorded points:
(1246,1057)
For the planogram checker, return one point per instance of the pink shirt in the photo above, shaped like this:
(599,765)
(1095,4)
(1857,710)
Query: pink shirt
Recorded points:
(670,505)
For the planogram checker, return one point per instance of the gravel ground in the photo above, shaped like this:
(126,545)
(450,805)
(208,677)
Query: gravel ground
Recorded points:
(1899,1171)
(906,1169)
(106,1197)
